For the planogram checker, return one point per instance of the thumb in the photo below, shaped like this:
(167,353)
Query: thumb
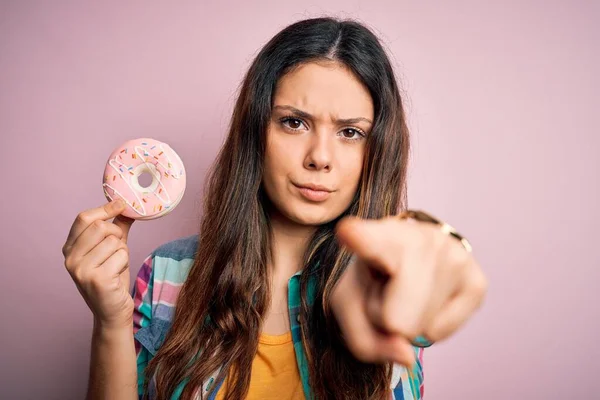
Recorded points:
(125,224)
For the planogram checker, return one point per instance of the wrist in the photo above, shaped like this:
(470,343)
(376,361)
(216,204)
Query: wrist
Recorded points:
(113,327)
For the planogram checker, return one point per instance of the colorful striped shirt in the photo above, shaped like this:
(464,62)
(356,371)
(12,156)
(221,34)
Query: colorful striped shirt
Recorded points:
(155,293)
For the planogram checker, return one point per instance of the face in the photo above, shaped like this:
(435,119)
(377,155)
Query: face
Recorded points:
(316,140)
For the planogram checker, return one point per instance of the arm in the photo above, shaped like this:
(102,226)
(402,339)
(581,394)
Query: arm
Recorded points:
(113,371)
(118,361)
(97,259)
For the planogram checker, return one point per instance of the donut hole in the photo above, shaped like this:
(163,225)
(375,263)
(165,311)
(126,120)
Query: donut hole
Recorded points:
(145,179)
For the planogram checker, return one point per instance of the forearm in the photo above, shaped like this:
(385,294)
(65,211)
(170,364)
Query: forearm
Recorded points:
(113,370)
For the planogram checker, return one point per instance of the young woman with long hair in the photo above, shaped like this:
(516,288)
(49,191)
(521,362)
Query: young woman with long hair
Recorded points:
(304,281)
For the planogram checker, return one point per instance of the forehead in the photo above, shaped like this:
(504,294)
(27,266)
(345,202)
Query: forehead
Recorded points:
(324,88)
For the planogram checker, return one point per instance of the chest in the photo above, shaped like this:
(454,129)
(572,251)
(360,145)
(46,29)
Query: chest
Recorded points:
(274,374)
(277,318)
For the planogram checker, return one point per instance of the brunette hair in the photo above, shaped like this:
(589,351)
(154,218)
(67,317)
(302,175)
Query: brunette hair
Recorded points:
(222,303)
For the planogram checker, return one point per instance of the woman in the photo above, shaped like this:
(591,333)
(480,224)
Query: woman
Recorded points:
(303,281)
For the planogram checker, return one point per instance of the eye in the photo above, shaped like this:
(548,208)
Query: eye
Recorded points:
(352,134)
(292,123)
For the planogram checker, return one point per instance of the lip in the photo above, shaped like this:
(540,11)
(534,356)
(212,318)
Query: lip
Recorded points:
(312,186)
(314,192)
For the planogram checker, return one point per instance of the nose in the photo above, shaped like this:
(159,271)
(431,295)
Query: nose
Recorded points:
(320,152)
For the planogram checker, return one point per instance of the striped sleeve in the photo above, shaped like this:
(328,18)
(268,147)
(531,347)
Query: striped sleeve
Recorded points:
(410,383)
(142,314)
(416,375)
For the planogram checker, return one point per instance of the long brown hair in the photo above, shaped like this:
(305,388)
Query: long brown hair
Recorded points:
(222,303)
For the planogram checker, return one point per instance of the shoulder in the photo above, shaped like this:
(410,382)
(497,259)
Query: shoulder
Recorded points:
(178,249)
(172,261)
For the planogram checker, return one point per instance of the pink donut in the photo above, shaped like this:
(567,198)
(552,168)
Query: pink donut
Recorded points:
(162,165)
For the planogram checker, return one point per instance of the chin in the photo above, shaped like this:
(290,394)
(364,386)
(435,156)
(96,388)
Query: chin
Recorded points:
(310,215)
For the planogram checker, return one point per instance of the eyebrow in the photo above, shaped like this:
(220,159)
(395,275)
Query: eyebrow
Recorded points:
(304,114)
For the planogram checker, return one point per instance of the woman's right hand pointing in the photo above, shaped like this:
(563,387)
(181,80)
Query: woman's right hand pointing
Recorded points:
(97,258)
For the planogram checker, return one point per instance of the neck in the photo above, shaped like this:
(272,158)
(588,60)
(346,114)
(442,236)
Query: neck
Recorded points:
(288,244)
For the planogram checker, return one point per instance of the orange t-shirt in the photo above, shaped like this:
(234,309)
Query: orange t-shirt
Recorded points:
(275,373)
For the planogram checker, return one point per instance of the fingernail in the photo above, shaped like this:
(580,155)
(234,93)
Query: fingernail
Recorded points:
(119,203)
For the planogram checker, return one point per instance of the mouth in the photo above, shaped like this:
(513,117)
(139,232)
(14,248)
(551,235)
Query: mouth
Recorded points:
(314,193)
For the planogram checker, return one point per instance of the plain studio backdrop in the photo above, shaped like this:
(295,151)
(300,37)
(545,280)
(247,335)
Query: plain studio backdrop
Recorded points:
(503,105)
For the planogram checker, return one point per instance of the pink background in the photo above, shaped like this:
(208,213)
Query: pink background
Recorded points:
(503,100)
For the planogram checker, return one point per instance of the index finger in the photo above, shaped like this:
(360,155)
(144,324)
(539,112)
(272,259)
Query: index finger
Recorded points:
(87,217)
(370,240)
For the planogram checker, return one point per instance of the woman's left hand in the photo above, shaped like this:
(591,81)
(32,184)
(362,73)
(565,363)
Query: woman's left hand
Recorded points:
(408,279)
